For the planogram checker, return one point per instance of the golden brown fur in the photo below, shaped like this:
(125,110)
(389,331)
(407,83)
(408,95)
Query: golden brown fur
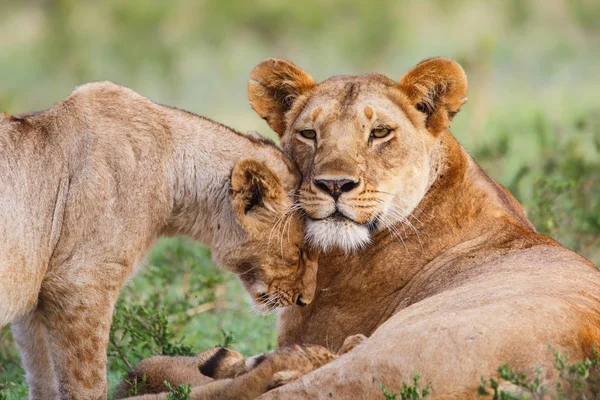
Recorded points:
(150,374)
(423,252)
(221,373)
(90,184)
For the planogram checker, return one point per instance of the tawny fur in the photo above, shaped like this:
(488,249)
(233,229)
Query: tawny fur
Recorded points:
(150,375)
(453,281)
(90,184)
(212,372)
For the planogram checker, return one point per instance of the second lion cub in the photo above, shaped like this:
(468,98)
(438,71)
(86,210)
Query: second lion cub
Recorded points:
(90,184)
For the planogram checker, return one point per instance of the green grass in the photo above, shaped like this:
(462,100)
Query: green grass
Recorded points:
(532,120)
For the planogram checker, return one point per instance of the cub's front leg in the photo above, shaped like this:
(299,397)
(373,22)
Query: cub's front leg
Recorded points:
(203,368)
(76,305)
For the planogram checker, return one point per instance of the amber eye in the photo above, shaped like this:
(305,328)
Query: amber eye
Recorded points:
(309,134)
(379,133)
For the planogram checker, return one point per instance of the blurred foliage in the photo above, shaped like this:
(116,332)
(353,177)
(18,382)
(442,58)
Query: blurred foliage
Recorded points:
(532,120)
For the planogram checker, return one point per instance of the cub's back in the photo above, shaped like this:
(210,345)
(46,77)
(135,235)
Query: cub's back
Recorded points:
(32,192)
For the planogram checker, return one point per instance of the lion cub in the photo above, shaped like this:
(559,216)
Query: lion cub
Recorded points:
(87,188)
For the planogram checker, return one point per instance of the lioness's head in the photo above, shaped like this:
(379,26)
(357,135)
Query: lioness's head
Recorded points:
(367,146)
(267,253)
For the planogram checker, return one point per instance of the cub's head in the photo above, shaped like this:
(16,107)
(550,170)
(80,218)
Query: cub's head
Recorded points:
(267,250)
(368,147)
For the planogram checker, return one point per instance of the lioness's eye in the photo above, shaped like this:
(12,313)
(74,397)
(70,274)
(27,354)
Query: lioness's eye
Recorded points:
(379,133)
(308,133)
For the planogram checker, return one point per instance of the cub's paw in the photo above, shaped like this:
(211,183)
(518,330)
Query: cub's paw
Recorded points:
(351,342)
(283,377)
(220,363)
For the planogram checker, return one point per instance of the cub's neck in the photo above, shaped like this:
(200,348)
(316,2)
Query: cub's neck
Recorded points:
(204,154)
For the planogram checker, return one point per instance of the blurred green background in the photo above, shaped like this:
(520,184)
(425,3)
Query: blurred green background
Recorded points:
(532,120)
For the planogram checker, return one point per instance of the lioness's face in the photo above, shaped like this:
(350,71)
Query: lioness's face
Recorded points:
(268,254)
(365,165)
(364,145)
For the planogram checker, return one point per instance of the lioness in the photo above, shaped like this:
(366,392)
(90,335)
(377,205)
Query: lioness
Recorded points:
(89,185)
(423,252)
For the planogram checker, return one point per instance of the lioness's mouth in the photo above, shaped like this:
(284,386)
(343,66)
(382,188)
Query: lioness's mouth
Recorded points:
(339,216)
(335,216)
(338,231)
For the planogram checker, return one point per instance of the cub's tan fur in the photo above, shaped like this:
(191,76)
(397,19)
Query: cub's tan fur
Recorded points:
(446,274)
(150,374)
(90,184)
(214,370)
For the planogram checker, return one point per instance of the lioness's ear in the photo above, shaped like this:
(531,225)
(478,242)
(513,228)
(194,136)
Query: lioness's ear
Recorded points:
(254,188)
(273,87)
(436,87)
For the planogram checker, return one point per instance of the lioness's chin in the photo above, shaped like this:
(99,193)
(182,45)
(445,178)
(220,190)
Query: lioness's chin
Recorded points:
(333,233)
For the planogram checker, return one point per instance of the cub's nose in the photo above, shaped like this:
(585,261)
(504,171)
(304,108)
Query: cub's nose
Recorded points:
(335,187)
(300,301)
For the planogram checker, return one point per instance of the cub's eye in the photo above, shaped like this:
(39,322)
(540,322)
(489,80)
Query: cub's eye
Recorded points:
(379,133)
(308,133)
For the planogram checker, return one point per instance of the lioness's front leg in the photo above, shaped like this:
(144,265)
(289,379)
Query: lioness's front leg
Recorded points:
(30,335)
(78,313)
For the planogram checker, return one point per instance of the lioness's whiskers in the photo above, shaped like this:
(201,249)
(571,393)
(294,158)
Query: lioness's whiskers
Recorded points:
(404,221)
(282,231)
(279,220)
(391,194)
(392,229)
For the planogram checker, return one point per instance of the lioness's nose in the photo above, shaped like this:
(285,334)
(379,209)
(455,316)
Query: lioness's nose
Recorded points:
(335,187)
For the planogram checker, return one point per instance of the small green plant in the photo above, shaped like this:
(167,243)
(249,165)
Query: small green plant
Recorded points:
(409,392)
(10,390)
(578,380)
(529,388)
(388,395)
(227,338)
(181,392)
(135,385)
(3,395)
(139,331)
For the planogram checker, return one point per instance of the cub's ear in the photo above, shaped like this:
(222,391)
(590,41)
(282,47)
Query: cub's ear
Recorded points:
(274,85)
(255,191)
(436,87)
